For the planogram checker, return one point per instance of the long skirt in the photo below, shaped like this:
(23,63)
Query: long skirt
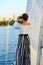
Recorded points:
(23,50)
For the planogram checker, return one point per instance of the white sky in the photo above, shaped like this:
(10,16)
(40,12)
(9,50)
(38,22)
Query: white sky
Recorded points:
(9,7)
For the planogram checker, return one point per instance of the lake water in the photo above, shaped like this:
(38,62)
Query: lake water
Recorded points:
(8,45)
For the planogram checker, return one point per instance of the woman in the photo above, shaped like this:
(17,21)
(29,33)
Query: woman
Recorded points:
(23,49)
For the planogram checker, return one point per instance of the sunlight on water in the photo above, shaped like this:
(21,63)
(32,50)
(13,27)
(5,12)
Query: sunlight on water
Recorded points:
(7,38)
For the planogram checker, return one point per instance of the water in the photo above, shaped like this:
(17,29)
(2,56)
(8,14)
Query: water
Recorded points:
(8,45)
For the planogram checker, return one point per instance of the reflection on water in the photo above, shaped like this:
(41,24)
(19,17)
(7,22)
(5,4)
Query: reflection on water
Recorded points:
(8,45)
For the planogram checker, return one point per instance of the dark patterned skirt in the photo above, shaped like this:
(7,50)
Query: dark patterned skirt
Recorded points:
(23,50)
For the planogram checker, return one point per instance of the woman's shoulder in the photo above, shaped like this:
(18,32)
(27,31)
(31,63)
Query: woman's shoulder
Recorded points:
(28,24)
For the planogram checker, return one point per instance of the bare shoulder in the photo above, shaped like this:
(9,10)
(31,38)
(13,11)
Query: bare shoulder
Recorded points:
(28,24)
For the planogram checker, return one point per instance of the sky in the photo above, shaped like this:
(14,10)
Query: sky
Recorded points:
(9,7)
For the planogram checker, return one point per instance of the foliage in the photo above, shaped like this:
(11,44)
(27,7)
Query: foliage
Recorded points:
(20,22)
(11,22)
(5,23)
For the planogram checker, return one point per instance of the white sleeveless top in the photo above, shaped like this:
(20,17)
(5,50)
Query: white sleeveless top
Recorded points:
(25,29)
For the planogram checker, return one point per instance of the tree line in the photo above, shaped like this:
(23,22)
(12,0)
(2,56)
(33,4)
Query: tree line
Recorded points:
(10,23)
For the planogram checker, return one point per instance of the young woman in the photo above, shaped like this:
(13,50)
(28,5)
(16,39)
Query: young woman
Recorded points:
(23,49)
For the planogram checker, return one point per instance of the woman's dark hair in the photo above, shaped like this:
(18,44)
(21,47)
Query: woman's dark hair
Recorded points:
(25,16)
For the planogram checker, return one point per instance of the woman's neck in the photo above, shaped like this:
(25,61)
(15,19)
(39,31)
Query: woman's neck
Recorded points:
(25,22)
